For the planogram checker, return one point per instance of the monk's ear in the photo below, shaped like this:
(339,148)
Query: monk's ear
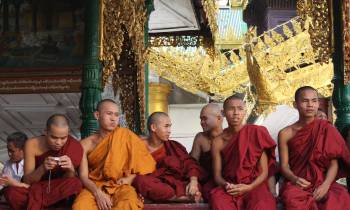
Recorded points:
(96,115)
(153,127)
(294,104)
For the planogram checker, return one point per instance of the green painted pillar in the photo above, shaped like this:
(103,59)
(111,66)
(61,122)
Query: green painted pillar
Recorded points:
(341,92)
(149,9)
(91,78)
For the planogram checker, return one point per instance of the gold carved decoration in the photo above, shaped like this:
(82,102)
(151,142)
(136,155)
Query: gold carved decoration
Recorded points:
(346,40)
(274,64)
(196,72)
(121,19)
(176,41)
(239,3)
(210,8)
(317,11)
(277,66)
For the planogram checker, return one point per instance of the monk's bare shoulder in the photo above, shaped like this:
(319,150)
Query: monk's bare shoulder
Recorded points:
(89,142)
(287,133)
(200,139)
(35,145)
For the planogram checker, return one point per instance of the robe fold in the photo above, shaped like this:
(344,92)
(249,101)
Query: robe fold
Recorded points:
(120,154)
(44,193)
(174,169)
(240,165)
(310,152)
(205,161)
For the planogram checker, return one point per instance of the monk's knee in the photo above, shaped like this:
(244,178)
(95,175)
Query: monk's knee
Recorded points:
(83,200)
(16,196)
(74,183)
(152,188)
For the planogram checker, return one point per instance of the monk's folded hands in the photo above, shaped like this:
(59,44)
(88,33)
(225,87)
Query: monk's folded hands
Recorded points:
(321,191)
(303,183)
(240,189)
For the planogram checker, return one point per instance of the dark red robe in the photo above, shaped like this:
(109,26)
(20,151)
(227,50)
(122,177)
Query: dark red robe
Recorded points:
(205,161)
(37,196)
(174,169)
(240,159)
(310,153)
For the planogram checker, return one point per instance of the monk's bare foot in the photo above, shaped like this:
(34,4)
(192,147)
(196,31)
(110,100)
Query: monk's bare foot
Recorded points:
(198,197)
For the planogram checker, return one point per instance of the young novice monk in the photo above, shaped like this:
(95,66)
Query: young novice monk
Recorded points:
(177,175)
(311,152)
(242,156)
(211,122)
(50,165)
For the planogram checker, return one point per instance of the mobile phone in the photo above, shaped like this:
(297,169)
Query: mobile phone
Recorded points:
(56,159)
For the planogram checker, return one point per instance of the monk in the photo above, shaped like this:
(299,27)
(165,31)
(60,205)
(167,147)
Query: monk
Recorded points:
(176,178)
(211,122)
(311,153)
(111,160)
(50,165)
(242,157)
(321,115)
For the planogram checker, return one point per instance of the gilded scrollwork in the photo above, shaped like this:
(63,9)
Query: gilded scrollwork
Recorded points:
(275,64)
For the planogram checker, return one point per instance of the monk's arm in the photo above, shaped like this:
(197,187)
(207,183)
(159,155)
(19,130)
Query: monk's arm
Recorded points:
(126,180)
(196,149)
(284,157)
(31,174)
(84,174)
(103,200)
(217,163)
(264,171)
(331,172)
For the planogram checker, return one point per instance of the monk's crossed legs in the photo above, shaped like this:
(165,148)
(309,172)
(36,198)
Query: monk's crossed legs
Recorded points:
(258,199)
(124,198)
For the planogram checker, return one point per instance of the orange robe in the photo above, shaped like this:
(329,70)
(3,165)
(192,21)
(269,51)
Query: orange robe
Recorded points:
(119,154)
(310,153)
(37,196)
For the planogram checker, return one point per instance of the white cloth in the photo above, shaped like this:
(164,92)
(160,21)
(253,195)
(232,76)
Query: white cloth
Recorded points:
(10,169)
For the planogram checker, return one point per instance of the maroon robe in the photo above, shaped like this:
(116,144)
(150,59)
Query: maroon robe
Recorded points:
(310,153)
(37,196)
(240,160)
(174,169)
(205,161)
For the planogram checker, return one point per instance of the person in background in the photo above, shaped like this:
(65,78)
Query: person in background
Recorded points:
(13,170)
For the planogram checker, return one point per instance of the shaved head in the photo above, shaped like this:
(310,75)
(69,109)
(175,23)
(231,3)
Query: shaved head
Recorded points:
(211,117)
(103,102)
(57,120)
(159,126)
(107,114)
(212,108)
(237,96)
(300,90)
(154,118)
